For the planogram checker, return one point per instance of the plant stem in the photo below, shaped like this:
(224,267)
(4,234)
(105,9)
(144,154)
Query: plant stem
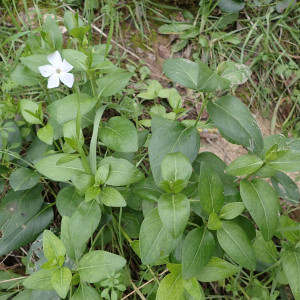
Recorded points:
(204,102)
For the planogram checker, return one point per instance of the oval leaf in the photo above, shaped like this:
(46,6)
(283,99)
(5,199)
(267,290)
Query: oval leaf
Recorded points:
(198,248)
(111,197)
(174,211)
(96,264)
(61,279)
(23,179)
(263,205)
(120,135)
(235,242)
(236,123)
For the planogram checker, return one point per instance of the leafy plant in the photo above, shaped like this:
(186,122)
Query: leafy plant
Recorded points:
(144,198)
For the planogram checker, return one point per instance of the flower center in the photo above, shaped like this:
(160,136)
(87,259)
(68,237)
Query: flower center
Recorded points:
(58,71)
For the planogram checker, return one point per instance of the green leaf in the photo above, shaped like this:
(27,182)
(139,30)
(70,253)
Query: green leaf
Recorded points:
(152,237)
(45,134)
(216,164)
(274,139)
(7,275)
(96,264)
(291,267)
(54,33)
(285,188)
(190,33)
(17,208)
(75,58)
(102,174)
(182,71)
(85,292)
(170,138)
(131,225)
(246,225)
(171,287)
(111,197)
(193,288)
(147,189)
(40,280)
(53,247)
(66,237)
(235,123)
(35,61)
(61,279)
(198,248)
(28,105)
(155,238)
(174,211)
(283,4)
(216,269)
(265,251)
(67,201)
(231,210)
(91,193)
(237,245)
(214,223)
(64,110)
(210,189)
(26,232)
(176,166)
(83,182)
(84,222)
(79,32)
(67,158)
(236,73)
(195,76)
(120,135)
(24,295)
(231,6)
(209,81)
(244,165)
(23,179)
(112,83)
(122,172)
(48,167)
(263,205)
(24,76)
(293,235)
(286,161)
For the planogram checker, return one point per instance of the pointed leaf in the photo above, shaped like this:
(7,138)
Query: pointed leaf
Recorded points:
(85,292)
(122,172)
(194,288)
(216,269)
(45,134)
(61,279)
(232,210)
(84,222)
(96,264)
(48,167)
(286,161)
(111,197)
(198,248)
(263,205)
(265,251)
(23,179)
(120,135)
(53,247)
(244,165)
(235,123)
(40,280)
(171,287)
(291,267)
(210,189)
(174,211)
(237,245)
(214,223)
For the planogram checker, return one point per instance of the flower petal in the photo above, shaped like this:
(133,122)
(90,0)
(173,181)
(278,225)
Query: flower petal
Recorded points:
(55,59)
(67,79)
(66,67)
(47,70)
(53,81)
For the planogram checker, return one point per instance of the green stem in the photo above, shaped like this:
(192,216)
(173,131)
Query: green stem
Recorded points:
(204,102)
(46,91)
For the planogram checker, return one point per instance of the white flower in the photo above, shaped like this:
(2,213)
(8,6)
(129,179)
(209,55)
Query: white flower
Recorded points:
(58,70)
